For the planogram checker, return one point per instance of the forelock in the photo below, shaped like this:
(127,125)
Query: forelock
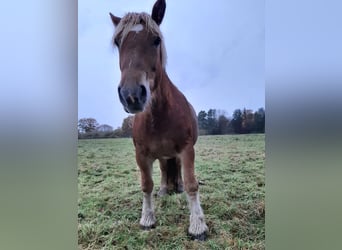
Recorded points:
(131,19)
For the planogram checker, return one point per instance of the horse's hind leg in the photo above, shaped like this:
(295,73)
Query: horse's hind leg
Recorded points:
(171,176)
(148,219)
(163,173)
(198,227)
(179,180)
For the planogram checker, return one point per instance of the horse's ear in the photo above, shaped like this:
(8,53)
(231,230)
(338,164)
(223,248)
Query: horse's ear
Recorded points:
(115,19)
(158,11)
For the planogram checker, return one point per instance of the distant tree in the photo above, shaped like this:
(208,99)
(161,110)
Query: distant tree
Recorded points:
(117,133)
(127,126)
(211,114)
(259,120)
(237,121)
(247,121)
(202,120)
(223,125)
(87,125)
(220,112)
(212,122)
(230,129)
(202,123)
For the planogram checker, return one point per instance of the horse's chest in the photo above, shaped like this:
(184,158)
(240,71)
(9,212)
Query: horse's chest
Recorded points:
(163,139)
(162,147)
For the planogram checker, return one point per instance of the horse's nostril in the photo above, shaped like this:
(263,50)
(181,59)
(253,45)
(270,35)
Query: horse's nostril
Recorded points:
(120,94)
(143,91)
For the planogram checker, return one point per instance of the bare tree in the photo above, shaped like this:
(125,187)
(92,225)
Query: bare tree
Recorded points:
(87,125)
(127,126)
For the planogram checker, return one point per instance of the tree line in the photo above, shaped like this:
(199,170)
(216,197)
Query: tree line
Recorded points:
(89,128)
(212,122)
(215,122)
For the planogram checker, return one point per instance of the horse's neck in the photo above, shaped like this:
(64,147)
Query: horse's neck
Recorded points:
(162,93)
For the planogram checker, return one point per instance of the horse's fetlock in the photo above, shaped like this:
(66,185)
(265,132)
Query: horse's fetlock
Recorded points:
(192,189)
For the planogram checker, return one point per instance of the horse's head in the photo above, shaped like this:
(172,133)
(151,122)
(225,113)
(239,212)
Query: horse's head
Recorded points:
(142,55)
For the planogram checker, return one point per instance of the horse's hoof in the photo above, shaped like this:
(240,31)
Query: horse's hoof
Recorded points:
(162,192)
(199,237)
(180,189)
(147,228)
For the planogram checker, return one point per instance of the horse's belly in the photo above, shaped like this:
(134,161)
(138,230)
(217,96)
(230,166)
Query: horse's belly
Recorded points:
(163,151)
(160,146)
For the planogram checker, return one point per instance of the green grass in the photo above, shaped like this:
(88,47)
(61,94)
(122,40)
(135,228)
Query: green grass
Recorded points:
(230,169)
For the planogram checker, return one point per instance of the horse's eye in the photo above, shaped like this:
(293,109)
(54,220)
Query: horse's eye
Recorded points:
(156,41)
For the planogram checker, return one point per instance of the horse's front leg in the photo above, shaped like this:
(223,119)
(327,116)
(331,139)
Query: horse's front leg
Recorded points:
(148,219)
(198,227)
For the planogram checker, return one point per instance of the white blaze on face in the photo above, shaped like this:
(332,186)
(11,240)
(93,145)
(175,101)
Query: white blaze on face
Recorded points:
(146,84)
(137,28)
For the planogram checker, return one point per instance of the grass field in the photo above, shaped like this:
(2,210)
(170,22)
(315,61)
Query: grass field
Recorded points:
(230,169)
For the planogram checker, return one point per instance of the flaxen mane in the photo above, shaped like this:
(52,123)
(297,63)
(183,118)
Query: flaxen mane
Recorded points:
(131,19)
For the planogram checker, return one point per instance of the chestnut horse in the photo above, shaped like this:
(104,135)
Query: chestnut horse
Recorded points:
(165,124)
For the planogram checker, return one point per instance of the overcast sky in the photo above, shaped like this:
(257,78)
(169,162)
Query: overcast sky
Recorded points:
(215,54)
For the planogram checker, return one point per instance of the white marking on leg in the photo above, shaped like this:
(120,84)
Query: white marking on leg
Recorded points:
(137,28)
(197,221)
(147,216)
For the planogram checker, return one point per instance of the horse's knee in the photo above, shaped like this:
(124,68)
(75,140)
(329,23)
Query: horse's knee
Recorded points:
(145,175)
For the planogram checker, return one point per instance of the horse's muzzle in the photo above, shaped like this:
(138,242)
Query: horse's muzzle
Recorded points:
(133,99)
